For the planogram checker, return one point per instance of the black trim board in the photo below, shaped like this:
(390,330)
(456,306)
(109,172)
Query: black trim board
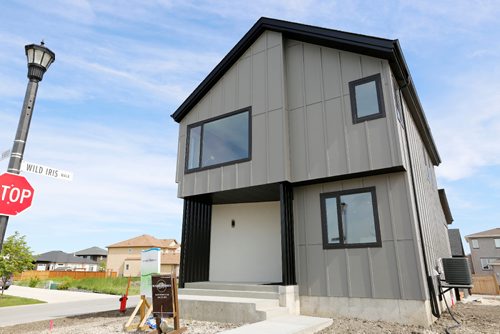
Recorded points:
(446,208)
(362,44)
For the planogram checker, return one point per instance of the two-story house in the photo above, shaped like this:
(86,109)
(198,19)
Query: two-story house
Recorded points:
(485,252)
(305,160)
(124,257)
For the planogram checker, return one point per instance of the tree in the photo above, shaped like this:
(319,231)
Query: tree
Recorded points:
(102,265)
(15,257)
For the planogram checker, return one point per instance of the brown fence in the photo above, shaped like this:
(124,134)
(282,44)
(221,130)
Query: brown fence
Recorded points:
(43,275)
(485,285)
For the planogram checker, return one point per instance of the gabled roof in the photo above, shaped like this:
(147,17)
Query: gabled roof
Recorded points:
(457,248)
(145,240)
(92,251)
(495,232)
(362,44)
(62,257)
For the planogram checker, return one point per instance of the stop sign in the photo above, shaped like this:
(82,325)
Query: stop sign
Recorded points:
(15,194)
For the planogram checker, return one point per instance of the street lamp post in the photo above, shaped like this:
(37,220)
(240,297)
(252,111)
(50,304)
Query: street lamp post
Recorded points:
(39,60)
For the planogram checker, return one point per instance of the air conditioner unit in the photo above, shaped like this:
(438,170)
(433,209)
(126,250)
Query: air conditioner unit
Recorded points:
(457,271)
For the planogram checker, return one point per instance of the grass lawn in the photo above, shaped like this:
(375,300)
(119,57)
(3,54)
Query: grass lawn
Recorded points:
(14,301)
(110,285)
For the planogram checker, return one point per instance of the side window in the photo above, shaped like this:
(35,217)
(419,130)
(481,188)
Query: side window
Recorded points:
(367,100)
(350,219)
(475,243)
(497,243)
(485,263)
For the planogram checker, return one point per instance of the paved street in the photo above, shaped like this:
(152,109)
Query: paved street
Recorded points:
(59,304)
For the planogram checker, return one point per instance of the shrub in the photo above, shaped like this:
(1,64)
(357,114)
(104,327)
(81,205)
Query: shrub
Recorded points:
(33,282)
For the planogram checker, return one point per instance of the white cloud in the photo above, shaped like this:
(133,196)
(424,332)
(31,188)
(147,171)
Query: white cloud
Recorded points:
(466,124)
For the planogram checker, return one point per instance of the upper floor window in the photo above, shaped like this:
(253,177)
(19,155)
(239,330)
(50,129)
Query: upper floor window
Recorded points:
(497,243)
(219,141)
(475,243)
(350,219)
(367,101)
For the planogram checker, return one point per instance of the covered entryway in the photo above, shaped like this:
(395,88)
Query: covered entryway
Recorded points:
(243,235)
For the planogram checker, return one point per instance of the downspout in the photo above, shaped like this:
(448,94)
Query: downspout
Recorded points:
(430,283)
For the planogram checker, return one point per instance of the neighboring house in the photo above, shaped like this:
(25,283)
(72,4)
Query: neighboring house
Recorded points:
(59,260)
(457,248)
(93,253)
(124,257)
(305,159)
(485,251)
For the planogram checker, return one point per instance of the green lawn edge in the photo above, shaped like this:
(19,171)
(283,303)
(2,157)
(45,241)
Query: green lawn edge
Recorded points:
(7,300)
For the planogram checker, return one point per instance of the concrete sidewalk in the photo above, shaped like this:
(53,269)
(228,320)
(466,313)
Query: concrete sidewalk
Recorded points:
(289,324)
(55,296)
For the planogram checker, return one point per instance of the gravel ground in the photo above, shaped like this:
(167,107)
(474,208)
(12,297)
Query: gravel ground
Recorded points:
(476,317)
(105,322)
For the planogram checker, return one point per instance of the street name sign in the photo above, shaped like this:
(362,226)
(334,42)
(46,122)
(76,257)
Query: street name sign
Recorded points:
(16,194)
(55,173)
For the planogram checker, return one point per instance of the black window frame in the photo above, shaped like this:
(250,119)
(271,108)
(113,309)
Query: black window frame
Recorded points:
(202,123)
(324,221)
(380,97)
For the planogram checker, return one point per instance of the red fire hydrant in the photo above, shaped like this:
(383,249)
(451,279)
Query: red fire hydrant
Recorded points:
(123,303)
(124,298)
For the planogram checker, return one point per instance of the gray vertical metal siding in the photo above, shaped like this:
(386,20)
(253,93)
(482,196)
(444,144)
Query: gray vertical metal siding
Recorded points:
(323,139)
(392,271)
(256,80)
(434,226)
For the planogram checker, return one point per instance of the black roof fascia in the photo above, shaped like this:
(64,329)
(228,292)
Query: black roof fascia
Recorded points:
(446,208)
(357,43)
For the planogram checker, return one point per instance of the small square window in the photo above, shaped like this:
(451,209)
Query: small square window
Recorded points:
(367,101)
(475,243)
(350,219)
(497,243)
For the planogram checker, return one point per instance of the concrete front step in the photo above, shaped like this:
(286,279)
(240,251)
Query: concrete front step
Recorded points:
(288,324)
(232,286)
(230,293)
(229,309)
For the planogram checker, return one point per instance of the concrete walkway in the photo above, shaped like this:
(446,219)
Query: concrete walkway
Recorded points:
(289,324)
(54,296)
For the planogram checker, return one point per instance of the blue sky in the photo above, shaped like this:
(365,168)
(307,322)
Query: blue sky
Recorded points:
(122,67)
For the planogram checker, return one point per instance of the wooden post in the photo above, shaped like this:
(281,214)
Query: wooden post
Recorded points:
(145,309)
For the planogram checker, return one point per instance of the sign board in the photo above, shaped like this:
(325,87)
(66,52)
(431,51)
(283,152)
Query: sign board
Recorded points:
(46,171)
(162,295)
(150,265)
(5,155)
(16,194)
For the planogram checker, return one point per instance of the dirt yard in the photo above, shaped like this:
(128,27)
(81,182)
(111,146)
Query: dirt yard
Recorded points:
(476,317)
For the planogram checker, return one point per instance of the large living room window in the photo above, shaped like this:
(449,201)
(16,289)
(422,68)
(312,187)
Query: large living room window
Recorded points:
(367,101)
(350,219)
(219,141)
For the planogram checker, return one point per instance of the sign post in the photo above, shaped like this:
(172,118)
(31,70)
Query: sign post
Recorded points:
(166,302)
